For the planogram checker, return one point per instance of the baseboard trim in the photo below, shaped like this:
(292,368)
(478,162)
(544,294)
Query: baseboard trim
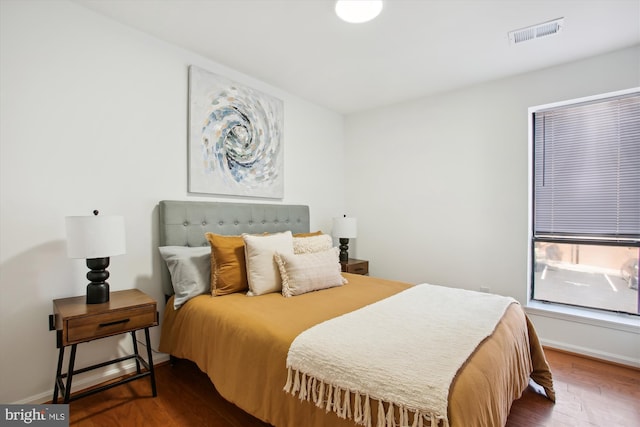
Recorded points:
(85,381)
(593,354)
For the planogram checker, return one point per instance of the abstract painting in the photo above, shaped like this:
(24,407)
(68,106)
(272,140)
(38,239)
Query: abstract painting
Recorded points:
(235,138)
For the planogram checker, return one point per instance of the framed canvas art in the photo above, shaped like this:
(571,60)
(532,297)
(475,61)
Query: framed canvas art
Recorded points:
(235,138)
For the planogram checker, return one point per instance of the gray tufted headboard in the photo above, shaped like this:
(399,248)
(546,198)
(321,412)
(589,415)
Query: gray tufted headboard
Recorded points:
(184,223)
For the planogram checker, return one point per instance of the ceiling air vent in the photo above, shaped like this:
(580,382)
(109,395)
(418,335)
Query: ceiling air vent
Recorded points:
(536,31)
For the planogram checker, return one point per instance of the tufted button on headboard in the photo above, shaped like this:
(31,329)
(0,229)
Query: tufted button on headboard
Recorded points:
(184,223)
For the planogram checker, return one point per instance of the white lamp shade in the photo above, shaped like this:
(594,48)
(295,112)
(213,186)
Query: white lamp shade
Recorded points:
(345,228)
(95,236)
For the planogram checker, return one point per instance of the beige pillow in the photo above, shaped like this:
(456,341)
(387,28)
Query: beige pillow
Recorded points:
(262,272)
(228,270)
(302,273)
(307,245)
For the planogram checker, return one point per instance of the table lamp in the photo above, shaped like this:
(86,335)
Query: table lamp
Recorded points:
(344,229)
(96,238)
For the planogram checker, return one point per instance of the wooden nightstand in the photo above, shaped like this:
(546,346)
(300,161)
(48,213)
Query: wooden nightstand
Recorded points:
(356,266)
(76,322)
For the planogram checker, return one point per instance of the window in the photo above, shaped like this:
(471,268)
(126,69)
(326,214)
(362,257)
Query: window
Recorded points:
(585,227)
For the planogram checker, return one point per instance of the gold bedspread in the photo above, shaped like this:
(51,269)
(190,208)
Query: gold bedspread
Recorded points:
(242,343)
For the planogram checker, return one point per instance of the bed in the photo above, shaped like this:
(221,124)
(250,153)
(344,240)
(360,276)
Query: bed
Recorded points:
(245,343)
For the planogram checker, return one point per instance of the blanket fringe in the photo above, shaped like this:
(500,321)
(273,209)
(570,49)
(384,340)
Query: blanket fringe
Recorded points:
(303,387)
(346,407)
(357,408)
(366,412)
(338,400)
(381,420)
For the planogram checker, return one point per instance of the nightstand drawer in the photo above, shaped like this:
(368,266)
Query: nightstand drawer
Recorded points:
(111,323)
(355,266)
(361,268)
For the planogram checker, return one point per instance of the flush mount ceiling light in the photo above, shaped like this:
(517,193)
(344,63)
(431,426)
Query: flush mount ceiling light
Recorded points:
(536,31)
(358,11)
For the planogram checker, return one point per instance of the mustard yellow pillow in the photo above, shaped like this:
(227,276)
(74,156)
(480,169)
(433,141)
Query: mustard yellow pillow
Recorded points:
(314,233)
(228,266)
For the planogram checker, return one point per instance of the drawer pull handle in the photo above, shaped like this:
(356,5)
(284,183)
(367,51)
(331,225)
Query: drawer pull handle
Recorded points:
(117,322)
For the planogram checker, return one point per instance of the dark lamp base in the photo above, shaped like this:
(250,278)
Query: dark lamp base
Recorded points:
(344,249)
(97,293)
(98,289)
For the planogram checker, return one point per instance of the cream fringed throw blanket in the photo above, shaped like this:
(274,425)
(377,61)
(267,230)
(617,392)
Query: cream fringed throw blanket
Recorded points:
(403,351)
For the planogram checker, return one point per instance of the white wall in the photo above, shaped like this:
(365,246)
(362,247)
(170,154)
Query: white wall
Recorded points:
(439,187)
(94,116)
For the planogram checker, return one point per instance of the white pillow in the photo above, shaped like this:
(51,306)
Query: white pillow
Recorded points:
(262,272)
(302,273)
(307,245)
(190,270)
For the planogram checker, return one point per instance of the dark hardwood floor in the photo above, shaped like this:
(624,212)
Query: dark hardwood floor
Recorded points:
(589,393)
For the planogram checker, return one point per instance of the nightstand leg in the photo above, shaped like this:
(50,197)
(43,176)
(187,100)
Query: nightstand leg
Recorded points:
(135,350)
(72,361)
(58,374)
(150,359)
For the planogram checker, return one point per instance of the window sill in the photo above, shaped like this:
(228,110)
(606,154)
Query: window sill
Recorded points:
(617,321)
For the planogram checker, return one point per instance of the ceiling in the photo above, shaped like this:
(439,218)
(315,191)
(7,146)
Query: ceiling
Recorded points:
(414,48)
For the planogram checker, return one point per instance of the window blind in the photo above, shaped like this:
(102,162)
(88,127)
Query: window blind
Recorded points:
(587,170)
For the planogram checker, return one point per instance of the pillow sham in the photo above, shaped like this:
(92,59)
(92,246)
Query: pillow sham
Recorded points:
(263,276)
(307,245)
(190,269)
(228,267)
(302,273)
